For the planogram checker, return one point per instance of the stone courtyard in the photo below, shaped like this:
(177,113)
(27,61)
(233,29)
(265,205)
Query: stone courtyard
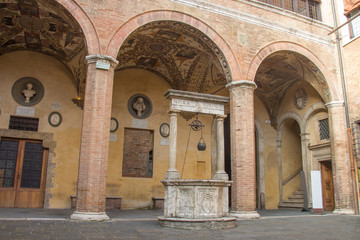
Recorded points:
(142,224)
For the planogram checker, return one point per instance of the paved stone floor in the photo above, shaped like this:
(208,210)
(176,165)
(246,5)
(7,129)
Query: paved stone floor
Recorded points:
(55,224)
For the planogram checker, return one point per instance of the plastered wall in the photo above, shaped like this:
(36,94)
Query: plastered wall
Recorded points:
(59,91)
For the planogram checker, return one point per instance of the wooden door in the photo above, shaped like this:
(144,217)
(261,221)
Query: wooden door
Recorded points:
(22,173)
(327,186)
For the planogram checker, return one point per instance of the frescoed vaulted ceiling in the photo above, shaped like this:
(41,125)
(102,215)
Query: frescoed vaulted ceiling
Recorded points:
(278,72)
(39,26)
(43,26)
(182,55)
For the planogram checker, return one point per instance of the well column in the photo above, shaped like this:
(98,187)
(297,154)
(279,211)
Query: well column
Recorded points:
(91,188)
(243,165)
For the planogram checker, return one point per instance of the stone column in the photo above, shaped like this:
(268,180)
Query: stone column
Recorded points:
(220,152)
(307,164)
(172,172)
(279,157)
(91,188)
(344,199)
(243,161)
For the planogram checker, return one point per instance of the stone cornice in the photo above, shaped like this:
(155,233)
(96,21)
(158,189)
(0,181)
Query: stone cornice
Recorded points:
(252,19)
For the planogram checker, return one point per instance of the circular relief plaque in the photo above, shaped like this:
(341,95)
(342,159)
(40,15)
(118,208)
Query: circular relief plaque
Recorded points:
(139,106)
(27,91)
(114,124)
(55,119)
(164,130)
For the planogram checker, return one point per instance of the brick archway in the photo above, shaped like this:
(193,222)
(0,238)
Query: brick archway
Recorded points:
(125,30)
(335,94)
(91,37)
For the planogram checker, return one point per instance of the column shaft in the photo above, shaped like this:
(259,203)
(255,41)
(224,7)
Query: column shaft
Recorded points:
(220,152)
(243,165)
(91,188)
(172,172)
(340,159)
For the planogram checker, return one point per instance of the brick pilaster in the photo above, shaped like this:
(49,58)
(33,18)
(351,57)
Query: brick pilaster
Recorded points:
(344,199)
(243,162)
(94,147)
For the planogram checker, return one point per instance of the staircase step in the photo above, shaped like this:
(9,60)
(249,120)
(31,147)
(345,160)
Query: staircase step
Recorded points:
(295,201)
(291,205)
(296,197)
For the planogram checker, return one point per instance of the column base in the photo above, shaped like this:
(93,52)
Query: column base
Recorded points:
(221,176)
(245,214)
(89,216)
(172,174)
(344,212)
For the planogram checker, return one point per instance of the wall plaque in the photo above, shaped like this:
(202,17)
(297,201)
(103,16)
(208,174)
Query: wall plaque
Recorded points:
(25,111)
(137,123)
(164,142)
(113,137)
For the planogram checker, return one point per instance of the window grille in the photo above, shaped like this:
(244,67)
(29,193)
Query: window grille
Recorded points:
(354,26)
(324,129)
(309,8)
(24,123)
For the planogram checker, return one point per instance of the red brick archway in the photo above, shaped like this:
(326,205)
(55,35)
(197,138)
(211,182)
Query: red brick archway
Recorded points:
(88,28)
(335,93)
(126,29)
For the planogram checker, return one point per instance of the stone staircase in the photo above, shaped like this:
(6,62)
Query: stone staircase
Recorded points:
(296,201)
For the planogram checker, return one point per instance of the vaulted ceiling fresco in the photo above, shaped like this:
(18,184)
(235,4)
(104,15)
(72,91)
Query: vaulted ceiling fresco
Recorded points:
(43,26)
(278,72)
(182,55)
(275,76)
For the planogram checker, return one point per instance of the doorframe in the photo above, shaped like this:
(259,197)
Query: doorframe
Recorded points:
(321,162)
(48,143)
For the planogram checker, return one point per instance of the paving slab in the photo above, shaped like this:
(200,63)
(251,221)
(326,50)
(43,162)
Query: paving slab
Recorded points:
(142,224)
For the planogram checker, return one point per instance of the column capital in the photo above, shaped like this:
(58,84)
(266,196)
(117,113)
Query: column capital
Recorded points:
(220,117)
(334,104)
(173,112)
(102,61)
(241,83)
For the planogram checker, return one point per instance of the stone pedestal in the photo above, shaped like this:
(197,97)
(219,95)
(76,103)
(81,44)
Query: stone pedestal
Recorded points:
(197,204)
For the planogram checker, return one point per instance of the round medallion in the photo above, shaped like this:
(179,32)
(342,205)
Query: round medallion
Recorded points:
(27,91)
(164,130)
(139,106)
(55,119)
(114,125)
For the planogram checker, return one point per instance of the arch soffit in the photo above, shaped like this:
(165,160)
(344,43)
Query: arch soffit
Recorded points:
(286,116)
(89,30)
(134,23)
(313,109)
(292,47)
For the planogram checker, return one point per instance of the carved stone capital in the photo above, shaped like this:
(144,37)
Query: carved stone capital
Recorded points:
(102,61)
(242,84)
(334,104)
